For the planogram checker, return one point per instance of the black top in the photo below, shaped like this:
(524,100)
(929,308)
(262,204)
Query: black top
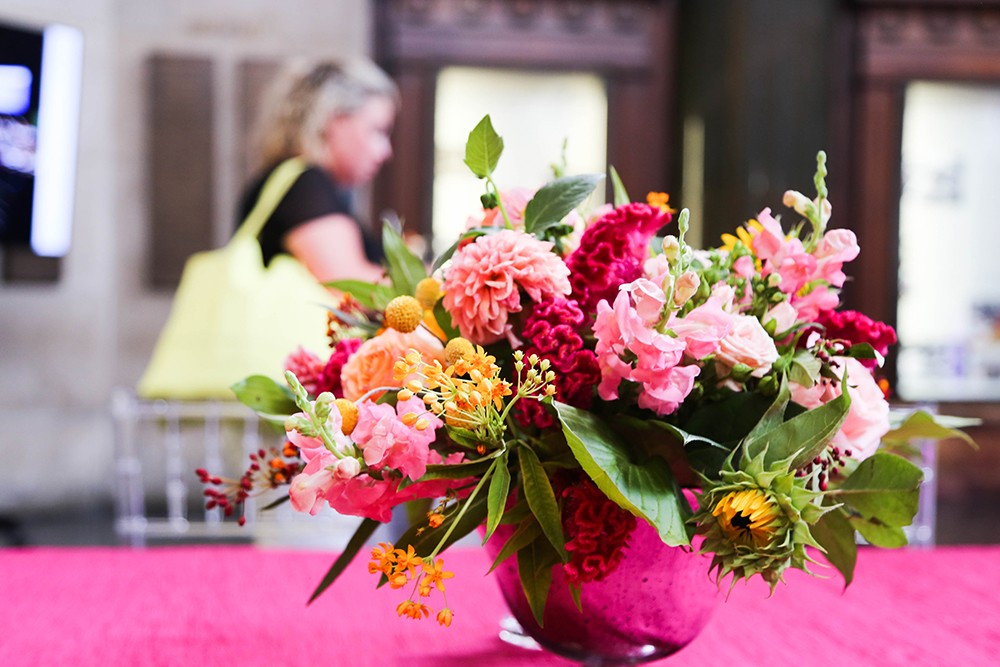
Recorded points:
(313,195)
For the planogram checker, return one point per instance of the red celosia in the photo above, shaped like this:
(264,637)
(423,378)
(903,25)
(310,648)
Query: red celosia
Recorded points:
(611,253)
(551,331)
(329,378)
(855,327)
(597,531)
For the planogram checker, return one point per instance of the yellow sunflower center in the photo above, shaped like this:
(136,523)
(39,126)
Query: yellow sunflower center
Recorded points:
(747,517)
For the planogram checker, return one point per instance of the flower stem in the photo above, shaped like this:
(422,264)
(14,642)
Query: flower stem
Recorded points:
(461,512)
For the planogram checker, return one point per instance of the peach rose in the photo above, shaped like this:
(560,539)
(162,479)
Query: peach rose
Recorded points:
(747,343)
(371,366)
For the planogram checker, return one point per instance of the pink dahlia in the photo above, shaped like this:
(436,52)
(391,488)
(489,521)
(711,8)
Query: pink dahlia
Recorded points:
(483,285)
(612,252)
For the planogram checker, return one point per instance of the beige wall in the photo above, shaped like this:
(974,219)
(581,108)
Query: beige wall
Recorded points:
(65,346)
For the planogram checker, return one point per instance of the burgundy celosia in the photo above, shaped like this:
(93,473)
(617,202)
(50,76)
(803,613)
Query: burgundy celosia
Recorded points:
(329,379)
(611,253)
(596,529)
(551,331)
(855,328)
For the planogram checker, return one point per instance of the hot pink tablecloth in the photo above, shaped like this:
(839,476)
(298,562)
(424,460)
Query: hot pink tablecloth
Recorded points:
(246,607)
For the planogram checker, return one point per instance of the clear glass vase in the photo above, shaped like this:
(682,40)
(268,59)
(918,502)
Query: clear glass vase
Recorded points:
(653,604)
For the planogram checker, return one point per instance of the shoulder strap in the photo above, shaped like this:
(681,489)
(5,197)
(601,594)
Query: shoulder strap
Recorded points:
(274,190)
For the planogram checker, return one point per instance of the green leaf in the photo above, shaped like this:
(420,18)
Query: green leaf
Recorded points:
(644,485)
(483,148)
(884,487)
(879,534)
(534,565)
(835,534)
(922,425)
(367,294)
(541,499)
(361,535)
(555,199)
(805,368)
(729,420)
(473,233)
(861,351)
(404,268)
(266,397)
(621,195)
(451,471)
(497,496)
(775,415)
(803,436)
(443,318)
(527,532)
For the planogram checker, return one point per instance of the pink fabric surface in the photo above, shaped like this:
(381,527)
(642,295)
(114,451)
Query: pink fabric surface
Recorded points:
(242,606)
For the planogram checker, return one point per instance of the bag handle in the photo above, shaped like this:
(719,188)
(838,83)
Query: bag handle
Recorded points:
(274,190)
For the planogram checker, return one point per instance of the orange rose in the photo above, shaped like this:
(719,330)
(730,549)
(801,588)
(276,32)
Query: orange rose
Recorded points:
(371,366)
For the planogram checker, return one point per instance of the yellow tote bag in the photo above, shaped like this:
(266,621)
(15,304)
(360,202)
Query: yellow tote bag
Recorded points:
(232,317)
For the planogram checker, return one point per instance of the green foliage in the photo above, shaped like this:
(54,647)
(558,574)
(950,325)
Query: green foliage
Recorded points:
(620,194)
(367,294)
(534,565)
(541,499)
(271,401)
(644,485)
(497,495)
(404,268)
(556,199)
(483,148)
(882,495)
(835,534)
(921,425)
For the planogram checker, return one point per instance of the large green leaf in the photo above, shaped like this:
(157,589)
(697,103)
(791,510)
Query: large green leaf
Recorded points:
(803,436)
(557,198)
(356,543)
(527,532)
(497,495)
(921,425)
(404,268)
(644,485)
(367,294)
(541,499)
(728,421)
(878,533)
(483,148)
(883,487)
(274,402)
(835,534)
(775,415)
(534,565)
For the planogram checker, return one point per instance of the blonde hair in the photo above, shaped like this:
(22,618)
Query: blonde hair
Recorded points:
(301,100)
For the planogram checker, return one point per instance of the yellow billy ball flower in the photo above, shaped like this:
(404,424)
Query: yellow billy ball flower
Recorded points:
(457,349)
(428,291)
(348,415)
(403,314)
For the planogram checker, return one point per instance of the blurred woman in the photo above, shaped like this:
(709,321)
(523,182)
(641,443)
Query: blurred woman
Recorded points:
(337,117)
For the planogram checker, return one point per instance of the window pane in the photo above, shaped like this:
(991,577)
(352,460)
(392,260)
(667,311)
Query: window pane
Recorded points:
(949,274)
(533,112)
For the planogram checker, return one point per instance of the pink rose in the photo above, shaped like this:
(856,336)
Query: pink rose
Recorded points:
(749,344)
(868,417)
(784,316)
(371,366)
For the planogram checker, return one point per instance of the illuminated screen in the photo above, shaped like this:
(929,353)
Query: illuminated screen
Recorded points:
(40,73)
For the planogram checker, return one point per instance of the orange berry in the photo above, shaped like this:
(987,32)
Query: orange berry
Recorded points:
(457,349)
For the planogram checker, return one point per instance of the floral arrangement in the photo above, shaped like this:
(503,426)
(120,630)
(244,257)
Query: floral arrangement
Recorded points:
(567,371)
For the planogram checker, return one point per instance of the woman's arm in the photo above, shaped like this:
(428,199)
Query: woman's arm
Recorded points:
(331,247)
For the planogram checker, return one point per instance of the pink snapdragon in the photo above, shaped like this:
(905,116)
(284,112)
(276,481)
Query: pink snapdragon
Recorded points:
(486,278)
(387,442)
